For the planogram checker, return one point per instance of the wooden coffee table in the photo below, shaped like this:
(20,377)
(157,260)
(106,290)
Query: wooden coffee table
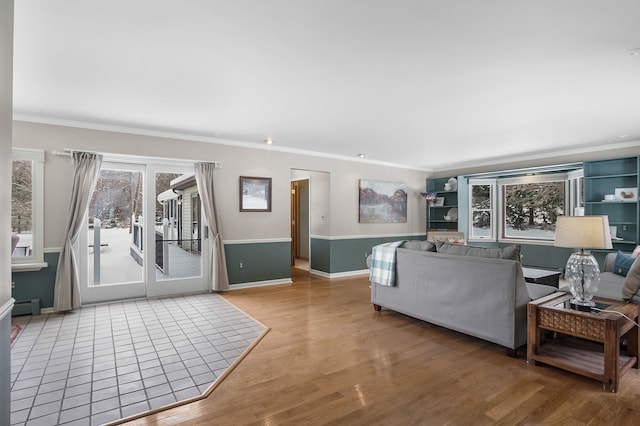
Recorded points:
(586,343)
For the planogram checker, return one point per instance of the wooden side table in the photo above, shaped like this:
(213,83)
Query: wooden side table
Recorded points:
(541,276)
(587,343)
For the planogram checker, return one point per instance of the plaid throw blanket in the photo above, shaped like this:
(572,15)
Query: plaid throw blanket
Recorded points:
(383,263)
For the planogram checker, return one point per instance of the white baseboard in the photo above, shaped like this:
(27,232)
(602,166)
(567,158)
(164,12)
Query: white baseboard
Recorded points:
(259,284)
(339,274)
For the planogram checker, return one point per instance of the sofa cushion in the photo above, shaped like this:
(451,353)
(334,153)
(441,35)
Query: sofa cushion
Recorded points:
(536,291)
(622,264)
(632,282)
(419,245)
(509,252)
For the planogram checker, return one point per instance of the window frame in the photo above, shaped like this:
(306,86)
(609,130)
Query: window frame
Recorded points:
(492,195)
(35,261)
(574,201)
(502,183)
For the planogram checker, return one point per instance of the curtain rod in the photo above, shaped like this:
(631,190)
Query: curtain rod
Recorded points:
(67,152)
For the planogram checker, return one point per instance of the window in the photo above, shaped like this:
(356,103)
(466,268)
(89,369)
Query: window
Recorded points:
(27,190)
(576,191)
(527,207)
(482,206)
(530,207)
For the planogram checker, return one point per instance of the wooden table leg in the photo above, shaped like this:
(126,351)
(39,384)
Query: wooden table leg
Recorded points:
(611,355)
(633,343)
(533,333)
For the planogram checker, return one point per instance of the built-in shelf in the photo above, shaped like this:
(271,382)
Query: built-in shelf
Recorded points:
(603,178)
(611,176)
(436,214)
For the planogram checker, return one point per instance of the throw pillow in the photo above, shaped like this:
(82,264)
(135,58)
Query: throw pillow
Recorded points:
(509,252)
(419,245)
(622,264)
(632,282)
(636,252)
(458,241)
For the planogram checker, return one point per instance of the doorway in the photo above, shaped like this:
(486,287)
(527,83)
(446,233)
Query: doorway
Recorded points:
(300,214)
(142,234)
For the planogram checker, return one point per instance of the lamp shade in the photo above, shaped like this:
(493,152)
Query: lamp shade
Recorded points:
(586,232)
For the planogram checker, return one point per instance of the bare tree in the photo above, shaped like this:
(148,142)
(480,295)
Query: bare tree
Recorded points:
(22,196)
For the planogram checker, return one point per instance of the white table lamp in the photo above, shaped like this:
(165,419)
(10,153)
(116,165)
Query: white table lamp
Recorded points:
(582,272)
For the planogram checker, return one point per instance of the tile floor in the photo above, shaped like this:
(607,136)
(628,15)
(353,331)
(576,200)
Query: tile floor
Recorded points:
(106,362)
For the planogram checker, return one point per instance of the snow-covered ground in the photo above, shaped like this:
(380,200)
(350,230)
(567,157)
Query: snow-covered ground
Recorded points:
(24,245)
(117,265)
(250,202)
(513,233)
(531,233)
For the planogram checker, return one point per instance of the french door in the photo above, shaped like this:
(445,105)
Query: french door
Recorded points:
(142,234)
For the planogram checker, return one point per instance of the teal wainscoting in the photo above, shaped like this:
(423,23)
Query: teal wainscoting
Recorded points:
(37,284)
(260,262)
(335,256)
(320,255)
(537,256)
(545,257)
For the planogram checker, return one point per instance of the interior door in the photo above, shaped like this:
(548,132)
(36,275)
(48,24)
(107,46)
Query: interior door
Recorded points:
(294,223)
(143,234)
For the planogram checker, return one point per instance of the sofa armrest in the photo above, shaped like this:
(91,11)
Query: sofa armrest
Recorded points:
(609,262)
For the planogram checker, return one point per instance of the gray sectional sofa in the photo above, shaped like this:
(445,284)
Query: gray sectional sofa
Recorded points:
(460,289)
(611,284)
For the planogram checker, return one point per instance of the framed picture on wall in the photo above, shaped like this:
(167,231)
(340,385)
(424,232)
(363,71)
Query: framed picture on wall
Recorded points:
(255,194)
(382,202)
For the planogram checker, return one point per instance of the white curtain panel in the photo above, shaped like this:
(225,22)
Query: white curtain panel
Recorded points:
(217,264)
(67,288)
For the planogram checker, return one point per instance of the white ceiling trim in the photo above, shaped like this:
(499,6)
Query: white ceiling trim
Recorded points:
(540,155)
(198,138)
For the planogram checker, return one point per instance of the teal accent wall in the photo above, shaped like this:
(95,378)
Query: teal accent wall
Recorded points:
(545,257)
(463,206)
(37,284)
(320,255)
(537,256)
(260,262)
(345,255)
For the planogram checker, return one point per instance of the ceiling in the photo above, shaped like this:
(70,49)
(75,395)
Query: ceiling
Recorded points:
(428,84)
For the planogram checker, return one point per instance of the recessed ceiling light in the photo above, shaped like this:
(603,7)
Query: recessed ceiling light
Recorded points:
(268,141)
(623,136)
(362,155)
(634,52)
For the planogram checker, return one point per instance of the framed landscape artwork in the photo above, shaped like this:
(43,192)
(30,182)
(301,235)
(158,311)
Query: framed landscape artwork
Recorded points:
(255,194)
(382,202)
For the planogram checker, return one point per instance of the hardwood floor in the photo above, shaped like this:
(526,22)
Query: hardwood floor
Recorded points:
(330,359)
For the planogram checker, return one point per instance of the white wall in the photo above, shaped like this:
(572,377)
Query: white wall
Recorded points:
(319,200)
(236,161)
(6,114)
